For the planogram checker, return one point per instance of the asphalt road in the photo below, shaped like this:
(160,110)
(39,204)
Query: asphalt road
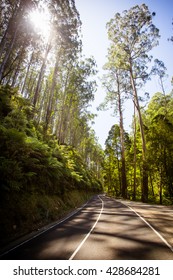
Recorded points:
(104,229)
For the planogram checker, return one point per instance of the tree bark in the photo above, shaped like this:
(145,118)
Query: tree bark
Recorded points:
(144,150)
(38,87)
(51,96)
(124,180)
(7,55)
(26,76)
(134,159)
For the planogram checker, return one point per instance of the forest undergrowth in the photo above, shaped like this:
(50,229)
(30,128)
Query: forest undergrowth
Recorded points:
(41,181)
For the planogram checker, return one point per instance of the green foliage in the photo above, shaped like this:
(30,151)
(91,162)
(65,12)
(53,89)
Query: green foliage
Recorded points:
(158,125)
(31,167)
(5,100)
(33,211)
(132,36)
(160,139)
(82,177)
(43,106)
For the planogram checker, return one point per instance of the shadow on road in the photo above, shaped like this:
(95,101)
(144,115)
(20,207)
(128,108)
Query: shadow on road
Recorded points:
(119,235)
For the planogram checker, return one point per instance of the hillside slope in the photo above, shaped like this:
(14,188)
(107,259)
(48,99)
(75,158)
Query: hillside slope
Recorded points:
(40,179)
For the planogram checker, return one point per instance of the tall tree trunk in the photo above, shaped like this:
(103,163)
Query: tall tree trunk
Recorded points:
(26,76)
(63,115)
(134,159)
(40,77)
(144,150)
(119,173)
(51,96)
(19,59)
(4,40)
(7,55)
(152,187)
(123,177)
(160,187)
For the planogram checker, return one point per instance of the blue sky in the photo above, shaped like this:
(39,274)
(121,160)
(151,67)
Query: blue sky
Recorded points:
(94,16)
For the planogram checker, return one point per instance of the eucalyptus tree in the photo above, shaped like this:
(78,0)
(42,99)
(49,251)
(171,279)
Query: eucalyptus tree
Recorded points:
(132,35)
(116,83)
(112,162)
(77,91)
(26,54)
(63,41)
(15,35)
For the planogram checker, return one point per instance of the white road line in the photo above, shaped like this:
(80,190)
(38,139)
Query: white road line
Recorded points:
(83,241)
(150,226)
(38,234)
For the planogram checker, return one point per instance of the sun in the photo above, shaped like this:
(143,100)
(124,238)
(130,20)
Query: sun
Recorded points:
(41,22)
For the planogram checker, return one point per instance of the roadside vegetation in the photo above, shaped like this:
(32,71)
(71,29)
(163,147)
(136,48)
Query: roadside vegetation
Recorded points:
(50,158)
(40,179)
(138,165)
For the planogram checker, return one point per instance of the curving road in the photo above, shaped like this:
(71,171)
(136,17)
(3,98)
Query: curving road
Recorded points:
(104,229)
